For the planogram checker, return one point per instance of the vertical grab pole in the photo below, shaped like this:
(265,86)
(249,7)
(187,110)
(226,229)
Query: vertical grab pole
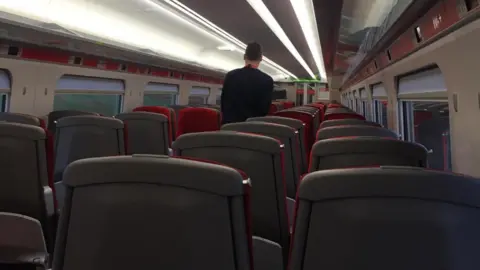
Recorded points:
(305,93)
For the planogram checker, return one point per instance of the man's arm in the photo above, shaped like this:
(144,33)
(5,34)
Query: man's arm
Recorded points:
(265,98)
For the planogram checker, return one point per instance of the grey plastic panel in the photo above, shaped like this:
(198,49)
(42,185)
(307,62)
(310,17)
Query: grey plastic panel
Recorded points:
(147,132)
(21,240)
(287,136)
(387,218)
(86,136)
(366,151)
(267,255)
(153,212)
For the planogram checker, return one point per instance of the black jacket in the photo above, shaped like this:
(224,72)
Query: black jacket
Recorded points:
(247,92)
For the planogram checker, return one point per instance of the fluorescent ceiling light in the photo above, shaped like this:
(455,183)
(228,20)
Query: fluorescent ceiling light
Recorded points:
(141,25)
(268,18)
(306,17)
(214,28)
(226,48)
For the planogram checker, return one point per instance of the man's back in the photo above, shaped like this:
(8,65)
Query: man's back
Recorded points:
(247,92)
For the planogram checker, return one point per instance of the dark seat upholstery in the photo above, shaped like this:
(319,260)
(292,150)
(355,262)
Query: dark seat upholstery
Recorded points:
(392,218)
(169,113)
(86,136)
(152,212)
(295,124)
(287,136)
(54,116)
(366,151)
(359,130)
(261,158)
(342,122)
(192,120)
(147,133)
(24,187)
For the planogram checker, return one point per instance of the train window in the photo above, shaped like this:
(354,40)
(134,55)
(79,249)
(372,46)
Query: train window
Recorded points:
(428,123)
(418,34)
(198,95)
(5,86)
(159,94)
(108,105)
(3,102)
(380,112)
(471,4)
(90,94)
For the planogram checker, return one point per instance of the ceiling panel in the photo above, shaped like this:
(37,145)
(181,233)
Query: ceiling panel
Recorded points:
(240,20)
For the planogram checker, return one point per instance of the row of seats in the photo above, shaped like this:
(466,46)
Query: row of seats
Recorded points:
(200,198)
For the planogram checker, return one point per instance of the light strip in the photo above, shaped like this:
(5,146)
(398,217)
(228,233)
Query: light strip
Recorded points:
(268,18)
(306,17)
(208,24)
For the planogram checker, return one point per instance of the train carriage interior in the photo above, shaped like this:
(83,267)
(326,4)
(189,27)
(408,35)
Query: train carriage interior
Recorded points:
(114,155)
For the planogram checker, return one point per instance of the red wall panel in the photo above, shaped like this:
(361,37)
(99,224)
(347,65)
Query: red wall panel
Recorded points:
(46,55)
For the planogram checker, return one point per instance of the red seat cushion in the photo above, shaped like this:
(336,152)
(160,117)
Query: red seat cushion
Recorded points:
(288,104)
(192,120)
(273,109)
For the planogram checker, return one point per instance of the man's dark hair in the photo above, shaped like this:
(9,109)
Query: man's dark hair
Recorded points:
(253,52)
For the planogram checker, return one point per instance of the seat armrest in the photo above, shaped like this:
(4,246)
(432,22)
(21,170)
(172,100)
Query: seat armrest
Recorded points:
(267,255)
(21,240)
(49,201)
(290,212)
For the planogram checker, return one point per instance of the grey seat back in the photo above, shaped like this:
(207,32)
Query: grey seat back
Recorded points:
(366,151)
(147,133)
(287,136)
(259,157)
(343,122)
(24,185)
(85,136)
(20,118)
(152,212)
(54,116)
(293,123)
(354,130)
(387,218)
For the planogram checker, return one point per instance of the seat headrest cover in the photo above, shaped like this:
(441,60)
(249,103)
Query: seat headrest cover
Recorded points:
(354,145)
(216,179)
(228,139)
(142,116)
(22,130)
(297,124)
(262,128)
(20,118)
(90,120)
(340,122)
(390,181)
(354,130)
